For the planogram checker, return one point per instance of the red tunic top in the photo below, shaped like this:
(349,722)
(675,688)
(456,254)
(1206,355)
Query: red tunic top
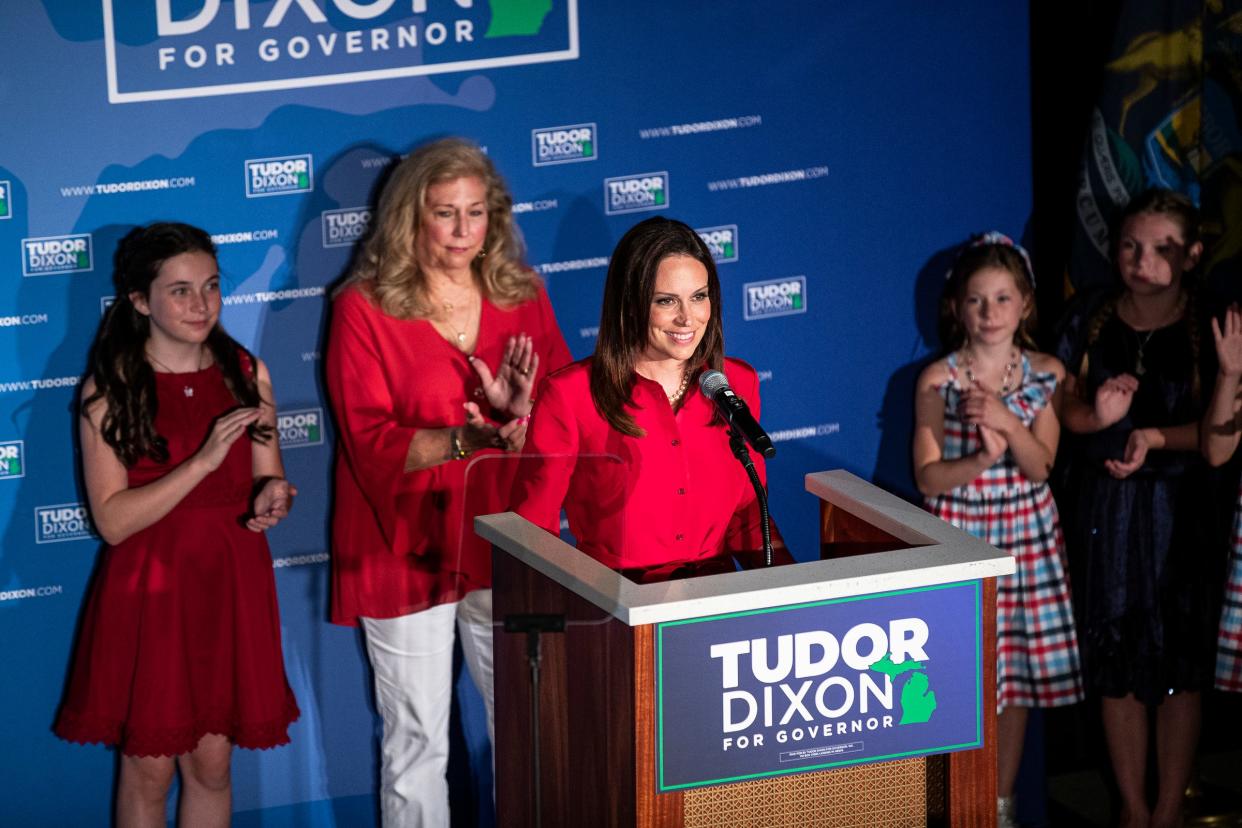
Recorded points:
(404,542)
(674,495)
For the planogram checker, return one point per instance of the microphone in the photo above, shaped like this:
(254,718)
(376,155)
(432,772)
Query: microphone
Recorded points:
(715,386)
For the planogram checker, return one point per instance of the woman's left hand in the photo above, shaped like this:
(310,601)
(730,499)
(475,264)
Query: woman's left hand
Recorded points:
(271,504)
(510,388)
(511,436)
(1137,446)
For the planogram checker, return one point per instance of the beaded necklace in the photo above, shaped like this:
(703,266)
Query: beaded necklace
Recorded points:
(968,366)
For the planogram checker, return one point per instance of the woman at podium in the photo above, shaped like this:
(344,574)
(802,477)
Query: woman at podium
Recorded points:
(625,441)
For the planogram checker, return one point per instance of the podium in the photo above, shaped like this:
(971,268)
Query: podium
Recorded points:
(856,690)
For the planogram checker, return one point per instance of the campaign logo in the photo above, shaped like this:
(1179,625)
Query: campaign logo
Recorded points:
(345,226)
(721,241)
(812,686)
(301,428)
(170,49)
(48,255)
(62,522)
(635,193)
(563,144)
(775,297)
(6,199)
(285,175)
(12,459)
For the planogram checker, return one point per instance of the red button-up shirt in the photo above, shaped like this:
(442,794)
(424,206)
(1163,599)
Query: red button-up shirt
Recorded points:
(403,542)
(674,494)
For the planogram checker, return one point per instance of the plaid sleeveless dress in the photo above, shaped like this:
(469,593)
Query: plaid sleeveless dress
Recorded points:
(1229,638)
(1036,645)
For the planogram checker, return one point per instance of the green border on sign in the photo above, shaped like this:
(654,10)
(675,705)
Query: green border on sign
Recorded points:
(659,669)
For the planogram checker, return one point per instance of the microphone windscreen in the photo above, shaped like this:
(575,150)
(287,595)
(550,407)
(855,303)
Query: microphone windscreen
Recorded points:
(711,382)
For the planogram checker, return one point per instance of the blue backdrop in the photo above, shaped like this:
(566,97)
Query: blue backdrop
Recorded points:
(832,154)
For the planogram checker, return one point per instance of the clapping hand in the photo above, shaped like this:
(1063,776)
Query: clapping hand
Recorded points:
(1113,398)
(510,388)
(993,444)
(1228,336)
(271,504)
(1136,454)
(479,433)
(224,432)
(980,407)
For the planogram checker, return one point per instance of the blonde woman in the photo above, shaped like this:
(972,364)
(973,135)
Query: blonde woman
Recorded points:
(435,343)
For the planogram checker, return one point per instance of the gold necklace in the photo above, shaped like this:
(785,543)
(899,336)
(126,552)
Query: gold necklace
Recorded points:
(459,335)
(968,365)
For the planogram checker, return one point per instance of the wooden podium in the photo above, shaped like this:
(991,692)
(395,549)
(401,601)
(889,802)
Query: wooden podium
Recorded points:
(597,700)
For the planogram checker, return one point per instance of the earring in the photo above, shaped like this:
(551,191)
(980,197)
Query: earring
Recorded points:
(482,253)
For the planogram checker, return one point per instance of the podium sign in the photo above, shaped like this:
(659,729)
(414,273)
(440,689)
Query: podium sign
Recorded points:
(821,685)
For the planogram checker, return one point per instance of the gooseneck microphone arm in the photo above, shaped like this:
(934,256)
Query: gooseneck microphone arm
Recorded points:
(743,429)
(738,445)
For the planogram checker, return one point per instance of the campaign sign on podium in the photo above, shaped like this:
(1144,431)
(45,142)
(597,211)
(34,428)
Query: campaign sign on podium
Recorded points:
(838,682)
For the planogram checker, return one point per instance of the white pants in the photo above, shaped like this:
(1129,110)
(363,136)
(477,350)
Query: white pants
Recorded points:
(412,657)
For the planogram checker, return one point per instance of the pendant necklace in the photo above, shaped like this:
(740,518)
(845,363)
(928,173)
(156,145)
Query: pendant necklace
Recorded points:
(1139,368)
(188,389)
(968,366)
(1143,338)
(459,335)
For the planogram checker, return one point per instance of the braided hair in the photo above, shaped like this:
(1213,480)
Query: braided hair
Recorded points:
(1182,211)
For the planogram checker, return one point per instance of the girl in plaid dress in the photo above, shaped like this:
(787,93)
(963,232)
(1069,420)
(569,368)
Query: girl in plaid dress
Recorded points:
(1219,437)
(1142,520)
(985,437)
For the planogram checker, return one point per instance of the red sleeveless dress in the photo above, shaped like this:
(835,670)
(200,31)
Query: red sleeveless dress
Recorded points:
(180,636)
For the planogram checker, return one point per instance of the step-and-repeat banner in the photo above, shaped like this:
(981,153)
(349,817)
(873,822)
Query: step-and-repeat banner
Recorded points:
(831,155)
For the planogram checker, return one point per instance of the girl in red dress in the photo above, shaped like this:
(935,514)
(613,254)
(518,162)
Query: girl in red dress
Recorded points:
(179,654)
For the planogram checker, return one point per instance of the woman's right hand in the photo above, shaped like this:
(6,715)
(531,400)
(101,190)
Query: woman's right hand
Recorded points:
(1113,398)
(478,433)
(224,433)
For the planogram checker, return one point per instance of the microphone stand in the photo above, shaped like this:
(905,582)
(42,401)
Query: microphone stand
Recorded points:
(738,445)
(533,624)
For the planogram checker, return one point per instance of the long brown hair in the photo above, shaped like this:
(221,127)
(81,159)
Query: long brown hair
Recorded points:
(388,264)
(118,364)
(628,291)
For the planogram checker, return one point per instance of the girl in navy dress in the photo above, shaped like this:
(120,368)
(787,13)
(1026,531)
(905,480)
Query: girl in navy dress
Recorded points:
(1141,520)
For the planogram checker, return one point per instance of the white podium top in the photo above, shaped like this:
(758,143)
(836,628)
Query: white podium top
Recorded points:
(939,554)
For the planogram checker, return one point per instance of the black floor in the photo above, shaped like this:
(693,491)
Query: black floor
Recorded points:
(1079,793)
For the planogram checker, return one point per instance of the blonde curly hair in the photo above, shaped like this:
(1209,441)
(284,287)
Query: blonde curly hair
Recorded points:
(388,267)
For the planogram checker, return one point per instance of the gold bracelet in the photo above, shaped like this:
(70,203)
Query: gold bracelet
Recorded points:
(456,452)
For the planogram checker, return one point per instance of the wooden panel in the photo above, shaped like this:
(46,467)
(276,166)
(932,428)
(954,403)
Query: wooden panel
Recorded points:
(971,774)
(843,534)
(591,773)
(664,810)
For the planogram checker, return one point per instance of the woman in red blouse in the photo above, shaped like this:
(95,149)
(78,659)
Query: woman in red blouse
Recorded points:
(625,440)
(435,343)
